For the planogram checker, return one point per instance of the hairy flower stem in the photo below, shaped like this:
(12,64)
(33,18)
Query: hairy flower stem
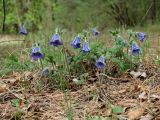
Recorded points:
(53,66)
(24,42)
(139,61)
(66,61)
(131,62)
(41,63)
(66,93)
(101,90)
(128,42)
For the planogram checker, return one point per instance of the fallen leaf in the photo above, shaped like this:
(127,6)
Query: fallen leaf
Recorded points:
(135,113)
(155,96)
(135,74)
(142,95)
(128,103)
(28,75)
(144,75)
(10,80)
(122,91)
(147,117)
(3,87)
(78,82)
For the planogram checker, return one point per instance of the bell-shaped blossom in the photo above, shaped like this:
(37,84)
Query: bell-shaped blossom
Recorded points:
(96,32)
(135,49)
(56,40)
(36,53)
(23,30)
(141,36)
(76,43)
(100,63)
(86,47)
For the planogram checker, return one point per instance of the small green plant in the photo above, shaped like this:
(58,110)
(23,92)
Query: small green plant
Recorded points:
(114,115)
(18,115)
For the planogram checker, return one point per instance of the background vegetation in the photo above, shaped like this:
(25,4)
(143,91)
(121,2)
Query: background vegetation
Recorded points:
(77,14)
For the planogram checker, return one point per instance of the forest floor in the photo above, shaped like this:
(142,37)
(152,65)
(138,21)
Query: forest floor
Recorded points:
(139,98)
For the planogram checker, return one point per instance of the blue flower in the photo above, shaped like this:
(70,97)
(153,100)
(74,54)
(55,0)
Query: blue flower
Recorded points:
(135,49)
(56,40)
(141,36)
(23,30)
(100,63)
(36,54)
(96,32)
(86,47)
(76,43)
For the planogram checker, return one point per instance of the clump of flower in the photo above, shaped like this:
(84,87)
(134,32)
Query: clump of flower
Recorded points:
(23,30)
(100,63)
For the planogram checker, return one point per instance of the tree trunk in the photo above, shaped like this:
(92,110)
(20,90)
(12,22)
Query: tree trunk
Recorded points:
(4,17)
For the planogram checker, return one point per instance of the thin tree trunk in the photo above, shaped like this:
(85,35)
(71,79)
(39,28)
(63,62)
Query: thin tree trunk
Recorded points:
(4,17)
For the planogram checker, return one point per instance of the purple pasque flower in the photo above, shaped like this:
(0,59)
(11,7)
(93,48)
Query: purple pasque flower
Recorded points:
(100,63)
(56,40)
(23,30)
(96,32)
(86,47)
(36,53)
(141,36)
(76,43)
(135,49)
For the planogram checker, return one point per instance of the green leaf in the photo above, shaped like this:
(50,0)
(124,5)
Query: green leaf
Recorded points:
(120,41)
(114,32)
(118,61)
(15,102)
(117,109)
